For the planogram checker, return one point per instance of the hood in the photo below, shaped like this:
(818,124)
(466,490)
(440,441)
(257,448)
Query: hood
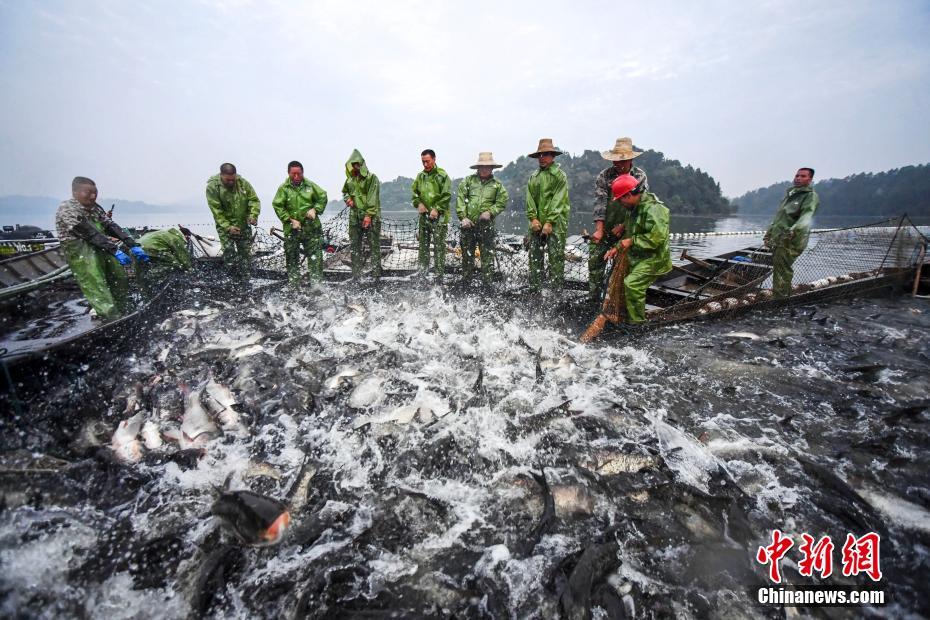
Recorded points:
(356,157)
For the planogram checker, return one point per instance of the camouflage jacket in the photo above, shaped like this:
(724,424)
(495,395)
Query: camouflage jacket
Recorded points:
(90,224)
(602,192)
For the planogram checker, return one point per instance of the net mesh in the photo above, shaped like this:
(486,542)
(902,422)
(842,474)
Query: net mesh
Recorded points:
(836,261)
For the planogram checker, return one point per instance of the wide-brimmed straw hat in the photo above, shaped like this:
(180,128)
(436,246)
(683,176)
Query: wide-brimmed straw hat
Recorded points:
(622,151)
(545,146)
(486,158)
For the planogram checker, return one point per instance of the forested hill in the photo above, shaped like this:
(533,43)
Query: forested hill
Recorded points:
(885,194)
(684,189)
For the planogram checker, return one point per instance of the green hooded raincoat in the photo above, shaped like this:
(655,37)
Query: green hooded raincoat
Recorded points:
(365,192)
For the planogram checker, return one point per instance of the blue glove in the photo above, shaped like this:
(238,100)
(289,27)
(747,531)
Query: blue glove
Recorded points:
(122,257)
(139,253)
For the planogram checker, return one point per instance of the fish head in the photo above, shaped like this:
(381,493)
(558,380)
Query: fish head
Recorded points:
(254,519)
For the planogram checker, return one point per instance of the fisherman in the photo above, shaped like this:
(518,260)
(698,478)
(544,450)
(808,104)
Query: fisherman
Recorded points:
(299,203)
(362,193)
(95,259)
(547,209)
(480,198)
(787,236)
(235,208)
(432,198)
(168,249)
(608,215)
(645,238)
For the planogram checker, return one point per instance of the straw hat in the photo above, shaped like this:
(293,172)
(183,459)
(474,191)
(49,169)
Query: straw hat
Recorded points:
(545,146)
(622,151)
(486,158)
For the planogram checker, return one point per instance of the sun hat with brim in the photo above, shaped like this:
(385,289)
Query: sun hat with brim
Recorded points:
(486,158)
(622,151)
(545,146)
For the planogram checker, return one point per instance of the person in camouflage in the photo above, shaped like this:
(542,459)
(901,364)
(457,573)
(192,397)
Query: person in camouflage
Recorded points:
(480,198)
(788,234)
(299,203)
(608,215)
(235,208)
(96,261)
(432,197)
(362,194)
(547,210)
(644,234)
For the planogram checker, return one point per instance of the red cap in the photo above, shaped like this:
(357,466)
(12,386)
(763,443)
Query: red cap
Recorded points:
(623,184)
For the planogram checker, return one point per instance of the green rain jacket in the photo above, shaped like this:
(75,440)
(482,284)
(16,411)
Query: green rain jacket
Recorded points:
(547,198)
(232,207)
(169,246)
(647,225)
(475,196)
(364,190)
(292,202)
(794,214)
(433,189)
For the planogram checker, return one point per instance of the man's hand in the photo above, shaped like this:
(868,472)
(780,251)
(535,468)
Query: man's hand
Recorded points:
(611,253)
(252,221)
(421,208)
(485,216)
(598,233)
(617,231)
(311,214)
(366,222)
(626,244)
(295,224)
(434,214)
(466,223)
(547,228)
(350,203)
(235,231)
(535,226)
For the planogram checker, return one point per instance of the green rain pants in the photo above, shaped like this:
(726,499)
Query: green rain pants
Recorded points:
(237,251)
(308,242)
(432,232)
(480,235)
(373,234)
(101,278)
(640,277)
(783,257)
(555,248)
(597,265)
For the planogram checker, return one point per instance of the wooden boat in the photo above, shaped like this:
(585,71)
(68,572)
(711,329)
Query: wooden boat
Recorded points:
(31,266)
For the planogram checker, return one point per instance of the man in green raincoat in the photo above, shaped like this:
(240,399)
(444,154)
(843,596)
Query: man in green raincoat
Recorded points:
(788,234)
(96,260)
(608,214)
(480,198)
(168,249)
(432,197)
(362,193)
(235,208)
(547,210)
(645,238)
(299,203)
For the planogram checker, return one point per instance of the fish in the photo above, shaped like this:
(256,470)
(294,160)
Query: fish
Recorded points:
(196,426)
(221,403)
(151,436)
(256,520)
(125,443)
(742,335)
(399,415)
(610,463)
(344,374)
(547,518)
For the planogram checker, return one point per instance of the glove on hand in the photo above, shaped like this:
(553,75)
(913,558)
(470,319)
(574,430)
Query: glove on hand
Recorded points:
(139,253)
(122,257)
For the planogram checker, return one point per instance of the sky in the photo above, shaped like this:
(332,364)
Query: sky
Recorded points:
(149,98)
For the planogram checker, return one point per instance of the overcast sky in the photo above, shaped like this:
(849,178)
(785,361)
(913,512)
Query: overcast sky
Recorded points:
(148,98)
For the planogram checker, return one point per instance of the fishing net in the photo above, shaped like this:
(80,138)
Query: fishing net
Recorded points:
(399,250)
(836,263)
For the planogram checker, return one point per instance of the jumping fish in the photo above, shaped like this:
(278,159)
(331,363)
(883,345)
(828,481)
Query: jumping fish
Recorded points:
(125,442)
(196,426)
(220,402)
(254,519)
